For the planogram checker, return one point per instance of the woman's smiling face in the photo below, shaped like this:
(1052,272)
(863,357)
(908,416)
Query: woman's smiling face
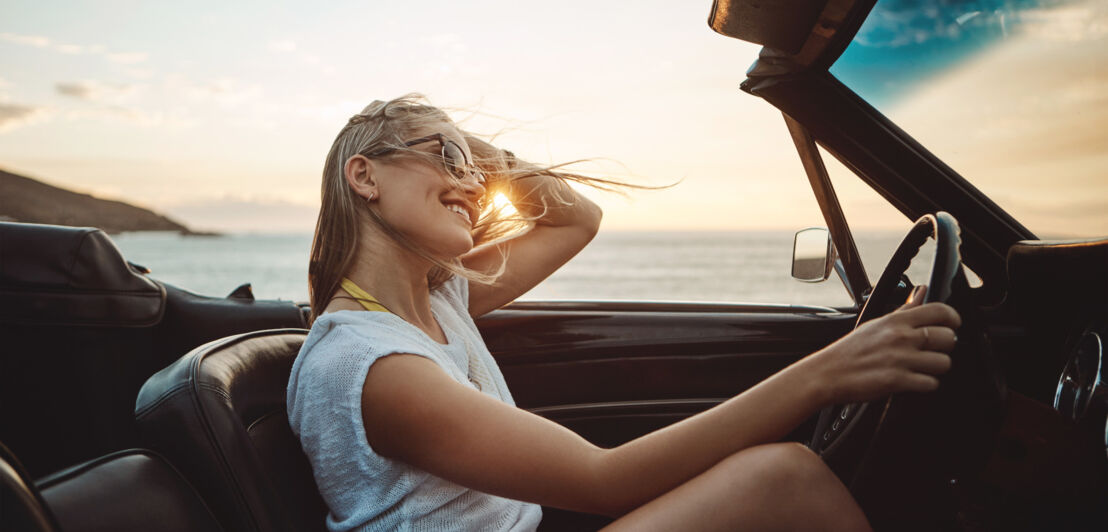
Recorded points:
(423,201)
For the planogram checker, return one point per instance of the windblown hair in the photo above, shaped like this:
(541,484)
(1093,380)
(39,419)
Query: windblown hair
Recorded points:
(343,214)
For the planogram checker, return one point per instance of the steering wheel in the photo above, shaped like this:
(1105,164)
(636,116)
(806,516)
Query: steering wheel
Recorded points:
(901,455)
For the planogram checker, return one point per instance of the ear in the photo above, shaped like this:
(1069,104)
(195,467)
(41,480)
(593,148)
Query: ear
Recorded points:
(359,173)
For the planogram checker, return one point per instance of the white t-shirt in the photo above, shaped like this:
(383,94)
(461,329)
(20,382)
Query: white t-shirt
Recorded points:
(366,491)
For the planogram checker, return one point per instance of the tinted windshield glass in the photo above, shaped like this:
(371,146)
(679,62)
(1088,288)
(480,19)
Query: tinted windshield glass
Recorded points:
(1013,94)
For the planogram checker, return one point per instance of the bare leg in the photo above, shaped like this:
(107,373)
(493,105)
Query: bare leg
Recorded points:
(779,486)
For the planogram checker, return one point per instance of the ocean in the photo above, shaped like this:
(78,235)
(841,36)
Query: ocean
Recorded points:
(735,266)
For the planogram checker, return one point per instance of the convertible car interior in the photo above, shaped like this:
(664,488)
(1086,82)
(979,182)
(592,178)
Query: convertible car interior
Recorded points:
(129,404)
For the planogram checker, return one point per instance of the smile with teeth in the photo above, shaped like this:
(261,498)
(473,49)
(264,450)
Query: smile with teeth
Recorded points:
(454,207)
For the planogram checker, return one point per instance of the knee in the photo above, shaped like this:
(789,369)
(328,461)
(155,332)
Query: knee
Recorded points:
(793,487)
(781,466)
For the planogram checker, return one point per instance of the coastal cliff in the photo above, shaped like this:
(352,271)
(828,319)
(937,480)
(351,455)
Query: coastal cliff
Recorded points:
(23,199)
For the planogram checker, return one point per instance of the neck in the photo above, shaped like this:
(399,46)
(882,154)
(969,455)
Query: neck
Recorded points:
(397,278)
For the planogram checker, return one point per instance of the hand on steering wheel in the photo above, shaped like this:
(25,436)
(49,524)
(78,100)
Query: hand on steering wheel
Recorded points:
(903,351)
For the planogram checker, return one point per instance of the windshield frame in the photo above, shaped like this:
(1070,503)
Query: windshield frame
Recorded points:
(900,169)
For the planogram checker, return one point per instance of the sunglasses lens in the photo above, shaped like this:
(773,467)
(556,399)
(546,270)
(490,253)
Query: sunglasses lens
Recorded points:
(454,158)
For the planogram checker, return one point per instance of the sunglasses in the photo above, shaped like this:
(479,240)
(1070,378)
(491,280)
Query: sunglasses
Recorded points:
(453,157)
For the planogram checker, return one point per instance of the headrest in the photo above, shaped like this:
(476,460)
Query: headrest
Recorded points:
(60,275)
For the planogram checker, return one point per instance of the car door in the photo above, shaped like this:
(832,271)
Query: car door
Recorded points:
(614,371)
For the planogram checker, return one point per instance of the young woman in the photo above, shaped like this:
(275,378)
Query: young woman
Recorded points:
(408,422)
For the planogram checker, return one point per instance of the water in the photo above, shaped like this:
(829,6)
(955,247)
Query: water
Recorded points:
(740,266)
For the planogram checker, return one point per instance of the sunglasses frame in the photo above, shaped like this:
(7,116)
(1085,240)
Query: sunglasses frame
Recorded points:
(467,167)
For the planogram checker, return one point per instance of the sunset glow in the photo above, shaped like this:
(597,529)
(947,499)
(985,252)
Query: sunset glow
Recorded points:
(220,114)
(500,201)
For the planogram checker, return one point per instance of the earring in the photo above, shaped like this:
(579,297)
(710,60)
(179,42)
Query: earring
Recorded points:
(370,197)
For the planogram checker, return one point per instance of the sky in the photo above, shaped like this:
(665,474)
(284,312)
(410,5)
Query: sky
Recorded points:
(1020,106)
(220,113)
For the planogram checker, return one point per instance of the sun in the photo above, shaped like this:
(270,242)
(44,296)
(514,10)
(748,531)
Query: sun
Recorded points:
(500,201)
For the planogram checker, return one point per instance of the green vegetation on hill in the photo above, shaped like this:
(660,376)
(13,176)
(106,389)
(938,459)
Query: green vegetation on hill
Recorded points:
(23,199)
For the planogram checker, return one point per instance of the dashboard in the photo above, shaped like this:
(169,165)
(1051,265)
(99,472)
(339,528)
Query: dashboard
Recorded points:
(1058,296)
(1082,392)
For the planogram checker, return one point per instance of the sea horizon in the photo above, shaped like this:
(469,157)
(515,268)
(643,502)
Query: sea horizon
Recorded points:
(727,266)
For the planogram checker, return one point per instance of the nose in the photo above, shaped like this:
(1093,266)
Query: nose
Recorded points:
(474,185)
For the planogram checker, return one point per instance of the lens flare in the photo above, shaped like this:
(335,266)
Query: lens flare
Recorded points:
(500,201)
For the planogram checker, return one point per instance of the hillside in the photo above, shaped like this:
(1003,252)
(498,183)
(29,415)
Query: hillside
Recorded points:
(23,199)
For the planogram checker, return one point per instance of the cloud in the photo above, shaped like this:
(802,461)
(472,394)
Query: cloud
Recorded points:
(94,91)
(139,73)
(69,48)
(119,113)
(893,26)
(37,41)
(14,115)
(1067,24)
(127,58)
(290,47)
(225,92)
(282,46)
(80,90)
(899,24)
(108,103)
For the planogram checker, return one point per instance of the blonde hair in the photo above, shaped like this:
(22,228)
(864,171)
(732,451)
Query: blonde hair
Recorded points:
(342,213)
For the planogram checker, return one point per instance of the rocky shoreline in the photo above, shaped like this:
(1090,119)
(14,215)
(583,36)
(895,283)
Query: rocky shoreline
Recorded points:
(23,199)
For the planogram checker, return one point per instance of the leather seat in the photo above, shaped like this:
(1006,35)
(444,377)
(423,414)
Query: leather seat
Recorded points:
(127,491)
(219,414)
(83,329)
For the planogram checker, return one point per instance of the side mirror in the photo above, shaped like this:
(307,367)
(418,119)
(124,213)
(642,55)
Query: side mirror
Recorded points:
(813,255)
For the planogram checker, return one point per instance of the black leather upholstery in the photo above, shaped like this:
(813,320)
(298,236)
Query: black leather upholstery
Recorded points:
(21,506)
(219,414)
(133,490)
(72,276)
(83,330)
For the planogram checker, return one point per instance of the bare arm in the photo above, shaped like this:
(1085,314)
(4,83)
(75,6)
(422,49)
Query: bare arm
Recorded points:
(561,230)
(416,414)
(475,440)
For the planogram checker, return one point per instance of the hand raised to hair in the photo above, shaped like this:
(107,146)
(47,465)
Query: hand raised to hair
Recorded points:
(494,162)
(485,154)
(903,351)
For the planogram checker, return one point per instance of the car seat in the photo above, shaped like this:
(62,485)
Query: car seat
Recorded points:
(127,491)
(83,329)
(219,414)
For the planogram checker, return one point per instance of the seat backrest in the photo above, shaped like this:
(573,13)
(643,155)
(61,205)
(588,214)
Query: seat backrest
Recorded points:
(132,490)
(219,414)
(83,329)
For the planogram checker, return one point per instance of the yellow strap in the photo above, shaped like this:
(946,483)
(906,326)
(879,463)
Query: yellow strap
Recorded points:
(361,296)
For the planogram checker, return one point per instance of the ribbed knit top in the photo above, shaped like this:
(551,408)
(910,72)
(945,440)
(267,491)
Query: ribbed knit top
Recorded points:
(366,491)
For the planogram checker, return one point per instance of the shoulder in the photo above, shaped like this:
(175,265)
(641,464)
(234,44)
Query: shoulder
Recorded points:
(359,328)
(331,368)
(342,345)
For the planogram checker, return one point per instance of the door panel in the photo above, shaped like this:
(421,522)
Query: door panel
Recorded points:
(613,371)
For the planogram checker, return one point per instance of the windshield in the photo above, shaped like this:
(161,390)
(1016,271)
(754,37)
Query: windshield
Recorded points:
(1012,94)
